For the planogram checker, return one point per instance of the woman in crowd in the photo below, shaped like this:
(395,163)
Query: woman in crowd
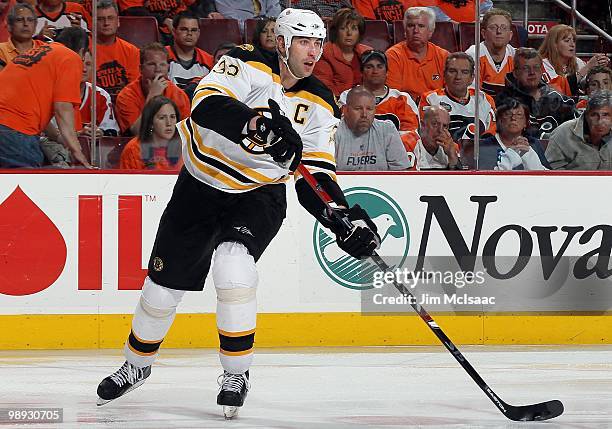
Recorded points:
(263,36)
(562,68)
(512,148)
(157,146)
(339,66)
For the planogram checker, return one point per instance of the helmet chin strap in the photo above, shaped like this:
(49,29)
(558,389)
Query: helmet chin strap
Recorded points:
(286,61)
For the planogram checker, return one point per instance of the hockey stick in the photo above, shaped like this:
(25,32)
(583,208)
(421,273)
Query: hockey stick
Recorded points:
(535,412)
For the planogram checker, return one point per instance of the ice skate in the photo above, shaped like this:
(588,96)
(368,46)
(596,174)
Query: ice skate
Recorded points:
(122,381)
(233,390)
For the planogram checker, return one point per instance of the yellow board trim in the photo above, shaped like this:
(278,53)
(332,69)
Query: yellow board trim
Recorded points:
(84,331)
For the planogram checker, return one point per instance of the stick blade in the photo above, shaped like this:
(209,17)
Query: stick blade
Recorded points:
(536,412)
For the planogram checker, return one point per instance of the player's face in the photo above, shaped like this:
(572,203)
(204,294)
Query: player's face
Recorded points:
(220,53)
(567,46)
(108,22)
(513,121)
(600,121)
(498,32)
(528,72)
(458,76)
(164,122)
(24,26)
(266,37)
(599,81)
(303,54)
(374,72)
(87,67)
(187,33)
(359,114)
(155,64)
(417,32)
(348,35)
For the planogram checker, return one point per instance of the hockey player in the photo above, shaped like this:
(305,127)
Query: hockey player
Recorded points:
(229,200)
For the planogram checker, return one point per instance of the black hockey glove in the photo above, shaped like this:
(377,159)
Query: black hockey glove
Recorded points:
(277,137)
(355,232)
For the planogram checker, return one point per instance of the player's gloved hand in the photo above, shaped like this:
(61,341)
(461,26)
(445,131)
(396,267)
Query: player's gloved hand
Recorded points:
(277,137)
(359,236)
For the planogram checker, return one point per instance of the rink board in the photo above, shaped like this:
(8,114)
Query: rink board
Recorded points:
(74,248)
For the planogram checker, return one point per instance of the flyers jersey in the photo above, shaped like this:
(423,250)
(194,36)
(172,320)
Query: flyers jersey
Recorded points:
(462,114)
(394,106)
(60,19)
(180,75)
(244,75)
(552,78)
(493,76)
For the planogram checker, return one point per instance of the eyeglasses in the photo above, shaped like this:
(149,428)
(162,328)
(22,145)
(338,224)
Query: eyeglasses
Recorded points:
(511,115)
(495,28)
(23,20)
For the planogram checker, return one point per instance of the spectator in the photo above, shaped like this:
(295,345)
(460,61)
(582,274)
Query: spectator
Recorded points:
(116,59)
(512,148)
(223,49)
(21,23)
(584,143)
(52,74)
(339,68)
(164,12)
(597,79)
(364,143)
(562,69)
(416,65)
(55,152)
(55,15)
(436,149)
(548,107)
(496,53)
(391,104)
(459,100)
(244,9)
(157,146)
(105,116)
(153,81)
(187,62)
(5,7)
(264,39)
(323,8)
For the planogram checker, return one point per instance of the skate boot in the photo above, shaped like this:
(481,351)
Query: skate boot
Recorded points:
(125,379)
(232,392)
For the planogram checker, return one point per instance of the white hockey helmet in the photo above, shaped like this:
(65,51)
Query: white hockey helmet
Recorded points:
(299,23)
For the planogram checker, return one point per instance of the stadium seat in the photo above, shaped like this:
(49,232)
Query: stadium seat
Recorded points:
(213,32)
(138,30)
(445,35)
(466,36)
(376,34)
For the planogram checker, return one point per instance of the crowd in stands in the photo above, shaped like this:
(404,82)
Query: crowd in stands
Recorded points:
(412,106)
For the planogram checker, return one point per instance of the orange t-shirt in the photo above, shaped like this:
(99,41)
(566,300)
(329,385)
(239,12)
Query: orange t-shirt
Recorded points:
(118,65)
(131,101)
(8,51)
(415,77)
(162,158)
(60,20)
(388,10)
(33,81)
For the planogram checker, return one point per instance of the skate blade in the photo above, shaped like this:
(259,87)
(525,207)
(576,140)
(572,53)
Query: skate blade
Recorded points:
(101,401)
(230,411)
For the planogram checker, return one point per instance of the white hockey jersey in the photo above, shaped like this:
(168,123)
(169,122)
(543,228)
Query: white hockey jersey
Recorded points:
(462,114)
(235,166)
